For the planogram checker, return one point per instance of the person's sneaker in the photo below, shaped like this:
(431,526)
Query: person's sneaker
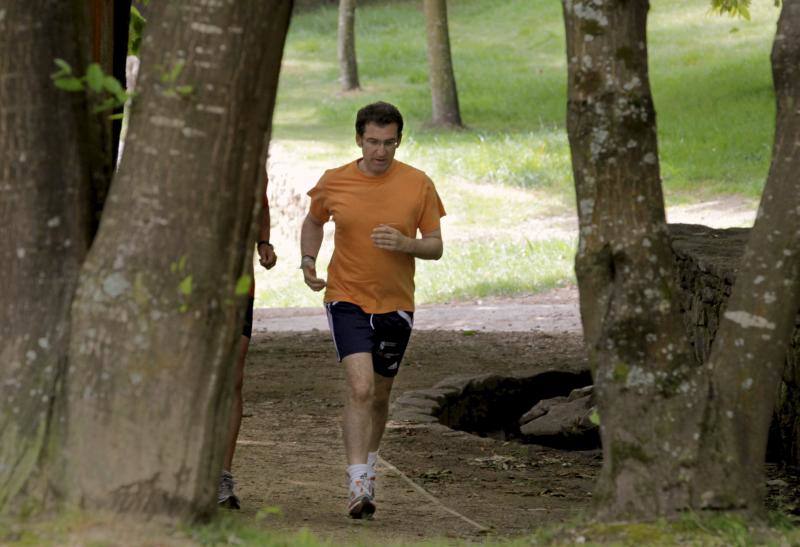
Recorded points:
(361,504)
(225,495)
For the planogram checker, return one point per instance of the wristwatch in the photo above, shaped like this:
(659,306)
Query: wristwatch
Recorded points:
(307,260)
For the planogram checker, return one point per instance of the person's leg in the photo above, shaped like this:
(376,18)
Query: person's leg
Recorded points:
(225,495)
(357,428)
(358,409)
(380,410)
(237,405)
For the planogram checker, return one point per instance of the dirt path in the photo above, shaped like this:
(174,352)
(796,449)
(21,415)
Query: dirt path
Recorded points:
(290,450)
(433,482)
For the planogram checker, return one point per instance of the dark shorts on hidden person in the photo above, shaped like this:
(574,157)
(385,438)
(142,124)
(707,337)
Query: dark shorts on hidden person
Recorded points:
(384,335)
(247,329)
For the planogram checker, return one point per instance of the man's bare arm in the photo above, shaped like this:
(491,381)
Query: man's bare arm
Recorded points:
(266,252)
(310,242)
(429,247)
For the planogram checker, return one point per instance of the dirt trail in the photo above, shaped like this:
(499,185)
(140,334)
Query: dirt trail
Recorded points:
(290,453)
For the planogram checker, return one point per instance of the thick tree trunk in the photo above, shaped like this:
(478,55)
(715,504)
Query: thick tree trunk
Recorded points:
(348,67)
(749,351)
(45,219)
(440,64)
(646,377)
(155,318)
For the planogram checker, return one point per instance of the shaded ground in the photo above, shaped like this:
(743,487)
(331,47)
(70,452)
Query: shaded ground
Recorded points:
(291,454)
(434,482)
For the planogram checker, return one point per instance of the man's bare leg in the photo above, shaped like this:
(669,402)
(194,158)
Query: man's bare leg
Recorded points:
(226,495)
(357,419)
(236,404)
(380,410)
(357,428)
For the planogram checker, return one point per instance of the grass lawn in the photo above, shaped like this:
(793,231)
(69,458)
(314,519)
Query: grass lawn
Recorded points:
(510,168)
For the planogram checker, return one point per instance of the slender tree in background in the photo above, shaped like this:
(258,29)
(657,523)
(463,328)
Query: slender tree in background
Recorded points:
(348,66)
(119,388)
(440,65)
(670,426)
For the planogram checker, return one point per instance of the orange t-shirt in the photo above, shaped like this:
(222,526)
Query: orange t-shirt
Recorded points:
(403,197)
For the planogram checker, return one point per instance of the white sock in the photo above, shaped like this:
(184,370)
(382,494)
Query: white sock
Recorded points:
(357,470)
(372,460)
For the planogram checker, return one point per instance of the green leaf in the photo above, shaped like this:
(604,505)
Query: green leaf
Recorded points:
(185,90)
(243,285)
(108,104)
(118,116)
(175,71)
(113,86)
(63,65)
(594,417)
(94,77)
(182,263)
(63,69)
(264,512)
(69,84)
(185,286)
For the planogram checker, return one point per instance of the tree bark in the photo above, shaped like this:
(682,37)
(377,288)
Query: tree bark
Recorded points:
(749,351)
(156,317)
(348,66)
(46,222)
(443,81)
(645,374)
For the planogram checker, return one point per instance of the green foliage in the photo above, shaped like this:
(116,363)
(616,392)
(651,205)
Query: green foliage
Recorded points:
(185,286)
(712,89)
(135,30)
(734,8)
(105,88)
(243,285)
(169,78)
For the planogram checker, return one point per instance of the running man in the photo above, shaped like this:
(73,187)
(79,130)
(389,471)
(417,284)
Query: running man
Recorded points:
(378,205)
(267,258)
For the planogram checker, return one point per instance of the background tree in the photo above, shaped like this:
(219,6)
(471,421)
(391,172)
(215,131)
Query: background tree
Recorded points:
(348,66)
(668,424)
(440,65)
(131,416)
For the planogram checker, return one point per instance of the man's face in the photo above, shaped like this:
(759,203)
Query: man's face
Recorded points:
(378,144)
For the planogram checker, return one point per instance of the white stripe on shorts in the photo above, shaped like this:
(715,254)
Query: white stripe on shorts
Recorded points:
(407,317)
(330,326)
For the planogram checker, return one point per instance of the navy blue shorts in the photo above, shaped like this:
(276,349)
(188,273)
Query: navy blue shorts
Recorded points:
(247,328)
(384,335)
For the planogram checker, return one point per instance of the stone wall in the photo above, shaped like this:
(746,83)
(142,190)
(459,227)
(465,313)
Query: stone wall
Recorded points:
(708,261)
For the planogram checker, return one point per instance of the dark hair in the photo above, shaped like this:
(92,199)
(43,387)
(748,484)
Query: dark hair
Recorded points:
(379,113)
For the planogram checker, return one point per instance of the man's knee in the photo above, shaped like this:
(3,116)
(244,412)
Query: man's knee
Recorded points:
(362,392)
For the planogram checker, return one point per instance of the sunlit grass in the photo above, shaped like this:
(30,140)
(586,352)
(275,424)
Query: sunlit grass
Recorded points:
(710,77)
(467,270)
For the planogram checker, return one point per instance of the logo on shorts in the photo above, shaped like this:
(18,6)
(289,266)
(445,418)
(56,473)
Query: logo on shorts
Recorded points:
(393,366)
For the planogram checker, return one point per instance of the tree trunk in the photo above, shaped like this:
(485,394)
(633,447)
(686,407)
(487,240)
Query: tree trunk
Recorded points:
(749,351)
(45,219)
(348,67)
(645,374)
(443,81)
(156,319)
